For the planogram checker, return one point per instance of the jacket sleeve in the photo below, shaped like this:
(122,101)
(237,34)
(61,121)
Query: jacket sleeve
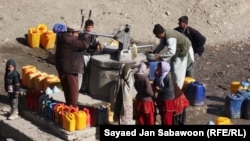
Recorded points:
(198,38)
(159,47)
(17,83)
(5,82)
(149,89)
(78,43)
(171,44)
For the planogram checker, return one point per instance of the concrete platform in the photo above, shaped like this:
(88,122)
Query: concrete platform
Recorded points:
(34,126)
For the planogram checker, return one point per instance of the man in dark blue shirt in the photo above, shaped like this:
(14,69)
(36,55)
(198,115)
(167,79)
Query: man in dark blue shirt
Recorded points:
(197,39)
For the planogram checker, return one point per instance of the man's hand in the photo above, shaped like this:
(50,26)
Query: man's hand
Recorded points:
(99,47)
(157,57)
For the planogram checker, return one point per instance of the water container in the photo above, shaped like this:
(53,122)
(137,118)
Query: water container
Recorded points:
(81,121)
(35,100)
(73,109)
(48,39)
(233,105)
(48,80)
(28,99)
(47,103)
(102,115)
(25,70)
(34,38)
(152,68)
(246,108)
(110,113)
(42,28)
(31,78)
(125,55)
(62,113)
(134,50)
(244,85)
(55,89)
(92,112)
(69,122)
(51,81)
(223,121)
(235,85)
(58,108)
(58,27)
(196,93)
(187,80)
(50,110)
(88,117)
(244,93)
(39,83)
(41,103)
(48,91)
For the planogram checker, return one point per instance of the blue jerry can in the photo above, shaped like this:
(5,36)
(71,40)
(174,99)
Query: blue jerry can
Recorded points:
(233,105)
(195,93)
(246,108)
(152,67)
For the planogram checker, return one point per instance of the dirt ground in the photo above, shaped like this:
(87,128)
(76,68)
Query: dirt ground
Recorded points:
(224,23)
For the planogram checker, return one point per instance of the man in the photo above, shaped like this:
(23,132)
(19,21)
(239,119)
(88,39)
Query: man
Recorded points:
(197,39)
(69,61)
(94,48)
(179,52)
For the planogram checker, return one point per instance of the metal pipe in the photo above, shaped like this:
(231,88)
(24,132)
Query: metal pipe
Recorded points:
(99,34)
(142,46)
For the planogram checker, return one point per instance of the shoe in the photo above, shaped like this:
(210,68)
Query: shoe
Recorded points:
(13,115)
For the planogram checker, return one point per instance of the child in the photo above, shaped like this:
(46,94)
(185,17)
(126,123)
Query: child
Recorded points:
(123,97)
(94,49)
(12,86)
(171,101)
(144,99)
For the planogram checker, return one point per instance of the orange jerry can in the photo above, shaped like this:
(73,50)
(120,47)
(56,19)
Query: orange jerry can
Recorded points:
(51,81)
(39,84)
(48,39)
(25,70)
(57,110)
(42,28)
(31,78)
(33,38)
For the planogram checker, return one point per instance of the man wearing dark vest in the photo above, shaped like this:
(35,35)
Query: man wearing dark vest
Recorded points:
(179,52)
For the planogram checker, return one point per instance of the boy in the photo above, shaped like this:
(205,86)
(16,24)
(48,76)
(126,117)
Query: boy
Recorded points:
(94,49)
(12,83)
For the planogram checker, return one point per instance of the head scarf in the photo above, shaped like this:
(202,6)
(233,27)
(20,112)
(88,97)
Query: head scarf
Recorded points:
(165,68)
(143,69)
(125,72)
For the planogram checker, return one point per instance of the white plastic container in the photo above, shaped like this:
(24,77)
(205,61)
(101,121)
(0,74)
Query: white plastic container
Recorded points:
(133,49)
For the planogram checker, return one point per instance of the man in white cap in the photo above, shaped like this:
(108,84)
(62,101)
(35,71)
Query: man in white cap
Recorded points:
(69,61)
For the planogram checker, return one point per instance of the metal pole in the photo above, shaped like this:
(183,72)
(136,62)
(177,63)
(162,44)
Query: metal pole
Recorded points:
(142,46)
(100,34)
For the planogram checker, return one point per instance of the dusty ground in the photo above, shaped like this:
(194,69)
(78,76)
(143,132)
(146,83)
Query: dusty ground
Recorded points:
(224,23)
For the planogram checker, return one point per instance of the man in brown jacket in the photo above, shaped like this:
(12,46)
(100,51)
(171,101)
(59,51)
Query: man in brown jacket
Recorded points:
(69,61)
